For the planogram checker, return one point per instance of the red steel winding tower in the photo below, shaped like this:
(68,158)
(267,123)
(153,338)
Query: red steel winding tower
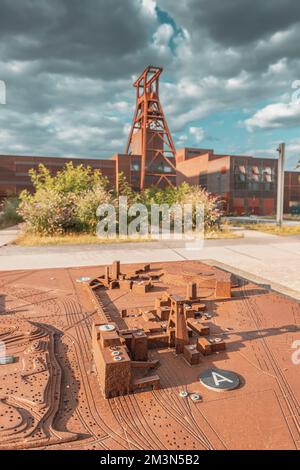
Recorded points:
(150,136)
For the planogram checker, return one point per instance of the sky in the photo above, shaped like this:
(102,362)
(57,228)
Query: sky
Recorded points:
(231,78)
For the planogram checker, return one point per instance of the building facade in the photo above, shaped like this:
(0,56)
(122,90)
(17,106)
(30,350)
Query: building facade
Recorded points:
(244,184)
(14,170)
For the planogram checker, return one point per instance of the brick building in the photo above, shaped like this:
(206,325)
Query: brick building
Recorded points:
(14,169)
(292,191)
(245,184)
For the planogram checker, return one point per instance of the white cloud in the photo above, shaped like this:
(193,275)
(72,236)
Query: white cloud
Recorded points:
(161,38)
(278,66)
(275,116)
(126,129)
(181,140)
(238,82)
(149,6)
(4,135)
(120,106)
(197,133)
(293,150)
(292,153)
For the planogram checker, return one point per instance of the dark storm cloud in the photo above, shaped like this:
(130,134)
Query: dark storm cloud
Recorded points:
(236,52)
(233,23)
(68,67)
(238,22)
(88,38)
(257,33)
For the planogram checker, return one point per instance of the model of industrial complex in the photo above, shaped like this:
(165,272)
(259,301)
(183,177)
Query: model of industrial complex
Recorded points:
(178,355)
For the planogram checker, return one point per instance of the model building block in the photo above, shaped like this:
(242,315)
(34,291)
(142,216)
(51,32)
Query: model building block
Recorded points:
(198,327)
(191,354)
(223,290)
(209,345)
(163,313)
(139,346)
(141,287)
(204,346)
(191,291)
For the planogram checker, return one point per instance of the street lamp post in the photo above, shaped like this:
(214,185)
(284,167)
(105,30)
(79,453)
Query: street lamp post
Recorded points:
(280,184)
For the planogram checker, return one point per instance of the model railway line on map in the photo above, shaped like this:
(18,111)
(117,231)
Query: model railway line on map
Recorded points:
(135,403)
(287,392)
(82,355)
(183,410)
(81,331)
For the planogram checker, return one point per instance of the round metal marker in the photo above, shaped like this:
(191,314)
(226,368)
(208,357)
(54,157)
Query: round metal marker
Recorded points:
(115,353)
(118,358)
(83,279)
(183,394)
(195,397)
(219,380)
(107,327)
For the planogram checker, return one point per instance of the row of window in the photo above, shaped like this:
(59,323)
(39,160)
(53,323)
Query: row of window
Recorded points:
(159,168)
(254,173)
(243,178)
(254,186)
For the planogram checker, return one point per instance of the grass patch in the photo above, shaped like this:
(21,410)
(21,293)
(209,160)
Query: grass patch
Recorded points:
(273,229)
(29,239)
(223,234)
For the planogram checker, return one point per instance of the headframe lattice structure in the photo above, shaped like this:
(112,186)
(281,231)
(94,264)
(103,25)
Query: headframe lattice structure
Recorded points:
(149,135)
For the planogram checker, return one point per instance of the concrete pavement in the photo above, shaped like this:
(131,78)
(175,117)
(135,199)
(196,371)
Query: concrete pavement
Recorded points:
(259,220)
(259,257)
(8,235)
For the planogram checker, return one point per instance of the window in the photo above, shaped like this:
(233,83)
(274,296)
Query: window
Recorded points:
(167,169)
(268,174)
(135,167)
(203,180)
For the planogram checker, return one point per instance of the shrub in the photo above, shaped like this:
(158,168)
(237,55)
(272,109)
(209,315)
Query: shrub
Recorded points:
(125,189)
(186,194)
(48,212)
(64,202)
(9,215)
(86,207)
(69,200)
(195,195)
(158,196)
(71,179)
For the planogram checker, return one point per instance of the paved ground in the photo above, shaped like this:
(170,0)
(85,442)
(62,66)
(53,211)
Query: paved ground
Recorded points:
(260,220)
(8,235)
(259,257)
